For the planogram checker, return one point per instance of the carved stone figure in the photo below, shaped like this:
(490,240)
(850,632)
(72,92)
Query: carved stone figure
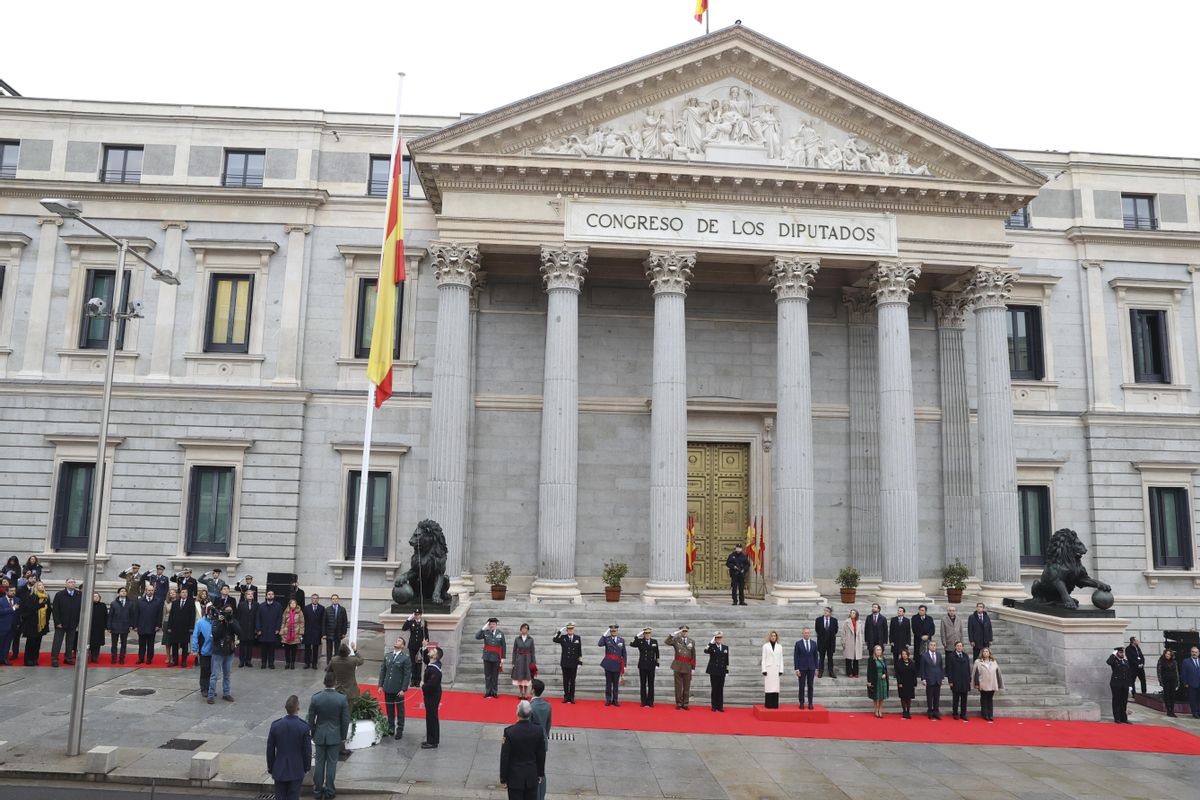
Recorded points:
(691,124)
(1064,572)
(768,132)
(426,575)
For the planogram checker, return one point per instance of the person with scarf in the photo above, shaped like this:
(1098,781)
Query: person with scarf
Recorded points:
(291,632)
(35,621)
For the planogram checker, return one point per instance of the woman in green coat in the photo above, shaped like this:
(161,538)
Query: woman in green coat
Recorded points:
(877,679)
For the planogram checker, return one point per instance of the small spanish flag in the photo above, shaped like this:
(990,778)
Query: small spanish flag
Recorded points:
(391,275)
(701,10)
(751,541)
(691,544)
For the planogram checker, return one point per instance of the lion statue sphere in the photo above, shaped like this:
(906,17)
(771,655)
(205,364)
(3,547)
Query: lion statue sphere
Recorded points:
(1064,572)
(426,575)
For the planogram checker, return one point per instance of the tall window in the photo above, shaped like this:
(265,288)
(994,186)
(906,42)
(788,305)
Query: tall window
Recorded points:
(210,510)
(227,326)
(1170,527)
(1151,362)
(1018,219)
(1034,504)
(73,506)
(94,330)
(1025,360)
(406,176)
(244,168)
(9,153)
(377,184)
(122,164)
(367,294)
(1137,212)
(375,528)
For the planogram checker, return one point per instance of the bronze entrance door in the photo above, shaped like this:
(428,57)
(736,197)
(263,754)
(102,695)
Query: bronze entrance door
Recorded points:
(719,504)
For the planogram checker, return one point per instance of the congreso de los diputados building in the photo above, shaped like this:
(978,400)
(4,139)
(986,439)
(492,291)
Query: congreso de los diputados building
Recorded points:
(721,282)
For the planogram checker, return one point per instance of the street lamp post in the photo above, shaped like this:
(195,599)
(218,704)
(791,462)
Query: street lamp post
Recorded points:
(73,210)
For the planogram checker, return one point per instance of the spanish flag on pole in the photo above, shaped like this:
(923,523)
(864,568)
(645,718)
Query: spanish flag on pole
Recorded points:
(391,275)
(691,544)
(701,10)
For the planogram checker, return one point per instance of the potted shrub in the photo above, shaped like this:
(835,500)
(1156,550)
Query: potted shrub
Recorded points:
(847,578)
(367,723)
(497,574)
(954,579)
(614,571)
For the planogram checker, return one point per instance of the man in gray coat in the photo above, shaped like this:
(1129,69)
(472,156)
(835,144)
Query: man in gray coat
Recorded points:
(952,630)
(329,722)
(541,715)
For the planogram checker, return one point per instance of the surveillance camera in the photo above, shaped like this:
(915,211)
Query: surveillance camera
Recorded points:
(96,307)
(136,308)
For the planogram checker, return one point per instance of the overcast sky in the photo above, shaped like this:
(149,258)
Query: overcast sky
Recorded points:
(1100,76)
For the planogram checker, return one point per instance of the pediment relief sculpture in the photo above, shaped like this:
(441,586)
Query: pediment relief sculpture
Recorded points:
(731,123)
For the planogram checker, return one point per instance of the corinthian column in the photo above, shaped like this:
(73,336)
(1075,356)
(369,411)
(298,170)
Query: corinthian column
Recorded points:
(563,269)
(958,492)
(669,272)
(455,267)
(892,284)
(864,435)
(997,457)
(791,279)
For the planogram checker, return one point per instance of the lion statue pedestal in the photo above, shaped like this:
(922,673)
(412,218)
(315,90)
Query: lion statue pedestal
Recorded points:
(424,586)
(1064,572)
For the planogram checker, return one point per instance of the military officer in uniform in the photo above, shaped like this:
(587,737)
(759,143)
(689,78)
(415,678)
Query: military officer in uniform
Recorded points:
(418,634)
(570,659)
(648,658)
(394,675)
(613,664)
(682,665)
(494,652)
(718,668)
(162,584)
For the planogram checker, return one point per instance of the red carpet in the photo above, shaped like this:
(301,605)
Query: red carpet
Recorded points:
(160,661)
(463,707)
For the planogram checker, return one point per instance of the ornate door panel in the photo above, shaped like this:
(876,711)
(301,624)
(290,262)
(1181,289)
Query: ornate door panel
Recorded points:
(719,503)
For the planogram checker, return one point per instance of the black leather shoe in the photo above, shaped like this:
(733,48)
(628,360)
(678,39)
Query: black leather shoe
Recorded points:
(428,746)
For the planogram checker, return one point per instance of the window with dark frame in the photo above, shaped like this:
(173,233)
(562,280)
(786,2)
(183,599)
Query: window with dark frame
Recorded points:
(1137,212)
(1018,219)
(244,169)
(1025,358)
(1034,502)
(93,331)
(375,526)
(406,176)
(1170,527)
(377,183)
(367,294)
(210,510)
(122,164)
(227,324)
(1148,332)
(10,154)
(73,506)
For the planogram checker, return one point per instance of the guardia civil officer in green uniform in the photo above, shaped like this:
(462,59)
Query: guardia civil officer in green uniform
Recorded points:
(395,675)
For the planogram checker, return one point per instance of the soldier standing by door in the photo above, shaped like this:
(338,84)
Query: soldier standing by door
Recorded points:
(682,665)
(738,564)
(648,658)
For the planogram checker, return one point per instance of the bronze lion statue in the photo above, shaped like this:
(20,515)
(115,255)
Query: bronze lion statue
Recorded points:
(426,575)
(1063,572)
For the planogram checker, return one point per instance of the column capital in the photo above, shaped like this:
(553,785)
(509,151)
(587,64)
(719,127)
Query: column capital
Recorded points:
(563,267)
(791,277)
(892,281)
(1090,263)
(990,287)
(859,303)
(297,227)
(54,220)
(951,308)
(455,263)
(174,224)
(670,271)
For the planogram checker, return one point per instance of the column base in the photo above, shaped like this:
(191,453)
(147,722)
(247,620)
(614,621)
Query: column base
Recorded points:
(668,593)
(551,591)
(869,587)
(461,588)
(992,593)
(783,594)
(891,593)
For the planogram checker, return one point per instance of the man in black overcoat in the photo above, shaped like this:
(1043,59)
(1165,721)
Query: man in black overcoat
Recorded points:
(523,756)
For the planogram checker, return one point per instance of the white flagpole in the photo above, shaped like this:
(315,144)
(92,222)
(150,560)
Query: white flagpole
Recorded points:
(365,475)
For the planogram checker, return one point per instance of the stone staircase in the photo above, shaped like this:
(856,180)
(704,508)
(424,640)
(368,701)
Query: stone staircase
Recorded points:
(1029,690)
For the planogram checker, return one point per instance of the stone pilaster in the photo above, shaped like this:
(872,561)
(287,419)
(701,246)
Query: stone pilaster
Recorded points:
(892,283)
(791,279)
(291,312)
(669,273)
(455,266)
(563,270)
(1000,525)
(864,435)
(1097,335)
(164,308)
(960,520)
(33,354)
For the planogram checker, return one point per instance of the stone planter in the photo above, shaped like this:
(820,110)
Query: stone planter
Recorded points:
(848,595)
(362,735)
(498,591)
(953,595)
(612,593)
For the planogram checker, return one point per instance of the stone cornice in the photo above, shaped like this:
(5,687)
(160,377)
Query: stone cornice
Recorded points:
(563,267)
(90,240)
(1092,235)
(14,241)
(233,245)
(791,277)
(670,271)
(165,193)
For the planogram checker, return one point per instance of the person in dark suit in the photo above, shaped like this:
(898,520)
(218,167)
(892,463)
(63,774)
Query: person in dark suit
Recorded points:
(570,657)
(923,629)
(804,662)
(314,631)
(266,630)
(246,613)
(289,751)
(1189,676)
(148,620)
(329,724)
(900,634)
(932,669)
(122,618)
(979,630)
(827,628)
(905,673)
(738,564)
(1118,684)
(958,675)
(1168,679)
(181,618)
(418,634)
(431,691)
(66,607)
(522,756)
(717,669)
(543,716)
(876,626)
(336,624)
(1137,664)
(10,619)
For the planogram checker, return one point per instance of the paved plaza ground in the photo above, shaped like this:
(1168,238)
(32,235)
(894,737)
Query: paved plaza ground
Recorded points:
(595,763)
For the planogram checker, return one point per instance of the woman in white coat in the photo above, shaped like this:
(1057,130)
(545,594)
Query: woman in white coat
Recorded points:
(772,668)
(853,643)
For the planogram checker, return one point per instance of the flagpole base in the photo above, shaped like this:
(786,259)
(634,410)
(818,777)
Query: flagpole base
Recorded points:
(545,590)
(783,594)
(668,593)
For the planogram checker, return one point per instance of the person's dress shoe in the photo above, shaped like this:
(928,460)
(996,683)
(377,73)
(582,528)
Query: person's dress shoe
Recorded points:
(262,666)
(428,746)
(270,666)
(810,706)
(743,603)
(211,701)
(228,698)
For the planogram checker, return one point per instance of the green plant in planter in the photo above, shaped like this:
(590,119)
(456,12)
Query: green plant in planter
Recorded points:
(847,578)
(365,708)
(497,573)
(954,576)
(613,572)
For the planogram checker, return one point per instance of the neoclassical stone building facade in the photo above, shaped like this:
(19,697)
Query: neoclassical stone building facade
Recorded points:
(722,282)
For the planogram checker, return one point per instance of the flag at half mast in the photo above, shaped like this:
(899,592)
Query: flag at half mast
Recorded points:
(701,10)
(391,275)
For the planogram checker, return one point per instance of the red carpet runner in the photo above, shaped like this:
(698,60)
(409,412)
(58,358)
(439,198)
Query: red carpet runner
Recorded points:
(160,661)
(463,707)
